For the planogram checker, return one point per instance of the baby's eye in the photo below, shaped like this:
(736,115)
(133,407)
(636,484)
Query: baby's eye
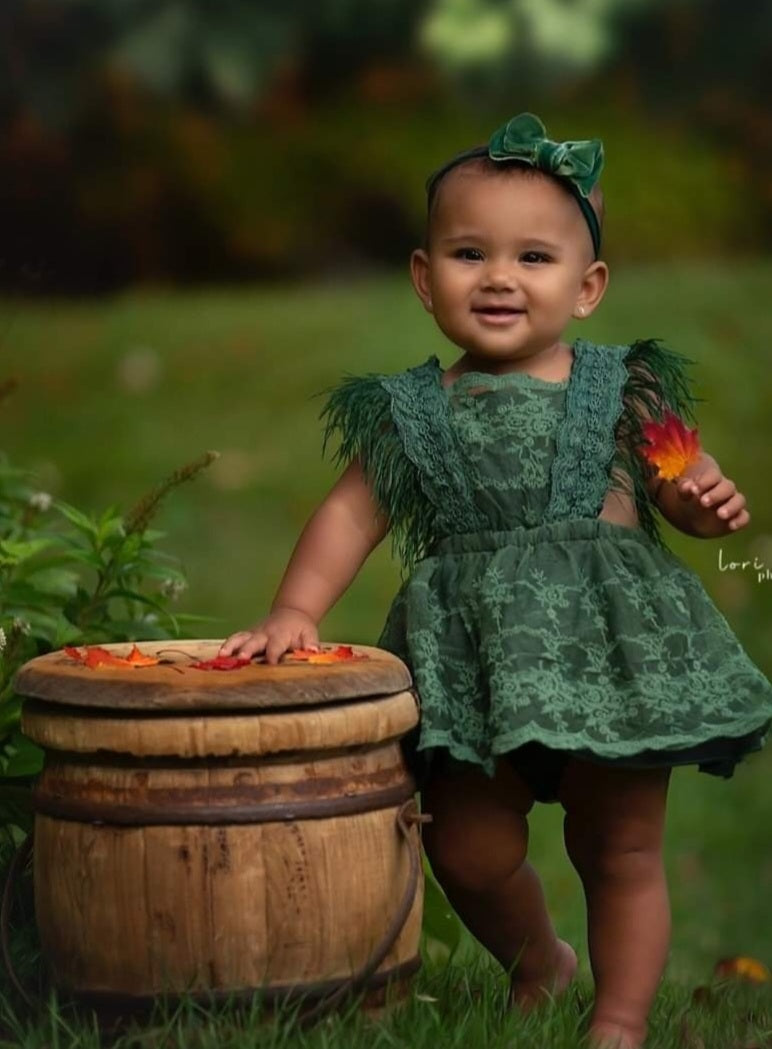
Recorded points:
(535,257)
(469,254)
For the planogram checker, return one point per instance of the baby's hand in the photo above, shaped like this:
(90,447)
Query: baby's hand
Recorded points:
(722,505)
(283,629)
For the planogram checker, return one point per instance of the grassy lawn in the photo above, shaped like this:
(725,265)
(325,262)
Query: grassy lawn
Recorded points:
(455,1006)
(115,394)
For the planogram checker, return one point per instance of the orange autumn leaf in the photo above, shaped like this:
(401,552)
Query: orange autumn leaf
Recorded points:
(742,968)
(671,446)
(94,656)
(135,658)
(331,655)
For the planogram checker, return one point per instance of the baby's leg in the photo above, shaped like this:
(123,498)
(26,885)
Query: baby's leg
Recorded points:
(477,843)
(613,831)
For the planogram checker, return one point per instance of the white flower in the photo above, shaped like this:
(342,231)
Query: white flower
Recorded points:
(40,501)
(172,588)
(3,639)
(21,625)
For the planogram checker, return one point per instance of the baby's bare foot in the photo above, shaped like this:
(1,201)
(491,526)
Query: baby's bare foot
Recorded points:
(527,994)
(612,1036)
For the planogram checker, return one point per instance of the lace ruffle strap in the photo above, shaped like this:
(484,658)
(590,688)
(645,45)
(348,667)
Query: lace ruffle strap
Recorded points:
(613,389)
(419,408)
(585,439)
(398,428)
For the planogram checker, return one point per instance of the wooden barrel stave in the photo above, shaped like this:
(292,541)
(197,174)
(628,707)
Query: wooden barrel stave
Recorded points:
(198,836)
(286,903)
(218,734)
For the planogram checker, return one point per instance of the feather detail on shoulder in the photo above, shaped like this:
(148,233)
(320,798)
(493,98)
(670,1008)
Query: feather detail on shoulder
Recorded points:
(657,383)
(359,410)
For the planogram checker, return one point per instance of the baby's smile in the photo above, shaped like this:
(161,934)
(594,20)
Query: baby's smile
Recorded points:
(497,314)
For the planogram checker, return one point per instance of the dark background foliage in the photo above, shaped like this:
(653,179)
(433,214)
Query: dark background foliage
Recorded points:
(192,141)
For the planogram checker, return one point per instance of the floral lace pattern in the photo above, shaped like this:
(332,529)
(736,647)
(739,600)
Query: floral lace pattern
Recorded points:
(527,617)
(591,638)
(508,455)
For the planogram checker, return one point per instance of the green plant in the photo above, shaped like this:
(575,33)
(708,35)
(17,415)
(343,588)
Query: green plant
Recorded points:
(68,578)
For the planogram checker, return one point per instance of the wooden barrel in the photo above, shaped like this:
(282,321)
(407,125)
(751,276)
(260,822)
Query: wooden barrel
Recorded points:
(222,832)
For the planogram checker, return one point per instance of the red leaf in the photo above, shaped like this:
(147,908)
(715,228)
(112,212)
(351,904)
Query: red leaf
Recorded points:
(221,663)
(331,655)
(136,659)
(94,656)
(671,446)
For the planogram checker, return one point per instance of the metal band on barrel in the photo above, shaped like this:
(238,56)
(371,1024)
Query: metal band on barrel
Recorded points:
(133,814)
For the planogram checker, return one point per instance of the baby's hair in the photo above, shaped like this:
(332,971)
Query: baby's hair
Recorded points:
(486,166)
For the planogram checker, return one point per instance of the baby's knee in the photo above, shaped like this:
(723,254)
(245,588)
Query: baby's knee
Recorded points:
(473,859)
(632,853)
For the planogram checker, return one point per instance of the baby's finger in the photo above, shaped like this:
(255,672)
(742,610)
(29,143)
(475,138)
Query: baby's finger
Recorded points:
(688,487)
(229,646)
(732,507)
(254,642)
(742,519)
(719,493)
(309,638)
(708,477)
(276,648)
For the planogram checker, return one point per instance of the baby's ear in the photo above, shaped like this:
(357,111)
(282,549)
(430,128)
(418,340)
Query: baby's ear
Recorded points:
(594,284)
(419,274)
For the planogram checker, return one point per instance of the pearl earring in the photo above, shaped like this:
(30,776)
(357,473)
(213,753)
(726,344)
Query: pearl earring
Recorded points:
(581,311)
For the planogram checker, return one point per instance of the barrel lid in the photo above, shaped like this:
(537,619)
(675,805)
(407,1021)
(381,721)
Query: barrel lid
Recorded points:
(175,685)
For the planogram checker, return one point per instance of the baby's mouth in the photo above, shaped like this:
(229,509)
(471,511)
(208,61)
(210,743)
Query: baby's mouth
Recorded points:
(500,313)
(497,311)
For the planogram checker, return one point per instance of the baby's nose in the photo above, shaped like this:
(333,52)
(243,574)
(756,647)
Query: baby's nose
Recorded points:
(500,275)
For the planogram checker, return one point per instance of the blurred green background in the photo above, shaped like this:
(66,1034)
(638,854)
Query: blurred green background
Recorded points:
(206,213)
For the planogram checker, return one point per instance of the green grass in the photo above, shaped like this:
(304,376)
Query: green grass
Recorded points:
(449,1007)
(115,394)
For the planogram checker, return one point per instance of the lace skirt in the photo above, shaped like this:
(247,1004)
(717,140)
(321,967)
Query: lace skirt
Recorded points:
(580,635)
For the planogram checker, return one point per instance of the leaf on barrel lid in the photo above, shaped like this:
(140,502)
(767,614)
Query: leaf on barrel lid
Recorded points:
(671,446)
(136,658)
(220,663)
(94,656)
(340,653)
(742,968)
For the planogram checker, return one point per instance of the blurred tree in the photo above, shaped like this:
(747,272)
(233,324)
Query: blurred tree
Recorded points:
(208,54)
(194,139)
(122,119)
(197,50)
(504,43)
(678,52)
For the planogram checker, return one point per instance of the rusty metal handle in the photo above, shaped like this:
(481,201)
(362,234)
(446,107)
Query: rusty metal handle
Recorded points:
(407,815)
(19,858)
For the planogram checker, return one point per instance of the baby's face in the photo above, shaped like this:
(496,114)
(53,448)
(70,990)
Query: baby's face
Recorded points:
(507,263)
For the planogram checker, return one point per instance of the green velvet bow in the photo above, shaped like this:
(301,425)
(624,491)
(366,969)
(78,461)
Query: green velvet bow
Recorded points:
(524,138)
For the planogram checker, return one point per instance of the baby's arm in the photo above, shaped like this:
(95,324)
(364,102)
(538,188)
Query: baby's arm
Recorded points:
(701,502)
(333,546)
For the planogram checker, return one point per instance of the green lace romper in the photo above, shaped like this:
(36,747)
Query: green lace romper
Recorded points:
(532,628)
